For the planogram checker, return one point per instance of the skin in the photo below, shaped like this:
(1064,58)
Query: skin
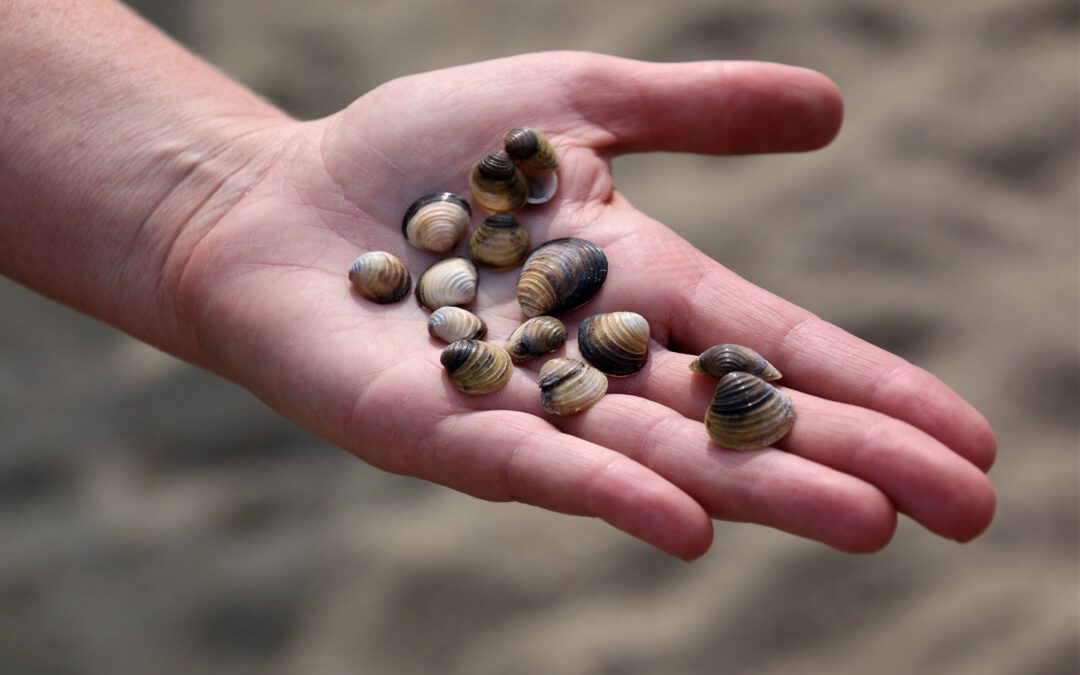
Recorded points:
(142,187)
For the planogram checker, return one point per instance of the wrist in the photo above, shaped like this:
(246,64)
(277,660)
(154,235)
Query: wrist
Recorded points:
(114,143)
(212,169)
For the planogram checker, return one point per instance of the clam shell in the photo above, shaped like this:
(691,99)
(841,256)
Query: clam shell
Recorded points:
(500,243)
(538,160)
(477,367)
(536,337)
(451,324)
(436,222)
(748,413)
(532,148)
(447,282)
(730,358)
(568,386)
(380,276)
(561,275)
(497,184)
(617,342)
(542,185)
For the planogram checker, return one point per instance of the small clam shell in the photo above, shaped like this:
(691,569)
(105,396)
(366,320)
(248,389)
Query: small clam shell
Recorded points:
(436,222)
(532,148)
(447,282)
(451,324)
(729,358)
(497,184)
(748,413)
(477,367)
(500,243)
(536,337)
(617,342)
(561,275)
(380,276)
(568,386)
(542,185)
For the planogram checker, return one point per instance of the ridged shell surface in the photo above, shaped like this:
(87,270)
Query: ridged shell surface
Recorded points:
(616,342)
(497,184)
(729,358)
(477,367)
(380,277)
(532,148)
(451,324)
(447,282)
(536,337)
(568,386)
(561,275)
(436,222)
(748,413)
(499,243)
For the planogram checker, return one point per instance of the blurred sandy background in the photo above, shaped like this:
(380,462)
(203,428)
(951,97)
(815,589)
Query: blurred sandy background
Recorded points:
(154,519)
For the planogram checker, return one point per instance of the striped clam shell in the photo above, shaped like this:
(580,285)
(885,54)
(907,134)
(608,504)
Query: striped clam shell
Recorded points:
(561,275)
(380,276)
(616,342)
(748,413)
(729,358)
(447,282)
(499,243)
(536,337)
(436,222)
(451,324)
(497,184)
(568,386)
(532,148)
(538,162)
(477,367)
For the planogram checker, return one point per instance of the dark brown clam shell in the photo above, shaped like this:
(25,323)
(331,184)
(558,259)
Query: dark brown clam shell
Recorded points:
(748,413)
(497,184)
(729,358)
(499,243)
(561,275)
(616,342)
(477,367)
(532,148)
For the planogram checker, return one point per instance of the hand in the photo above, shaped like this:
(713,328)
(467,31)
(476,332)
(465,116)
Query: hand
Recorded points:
(262,282)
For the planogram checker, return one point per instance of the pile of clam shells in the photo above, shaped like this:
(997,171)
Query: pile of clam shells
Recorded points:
(557,276)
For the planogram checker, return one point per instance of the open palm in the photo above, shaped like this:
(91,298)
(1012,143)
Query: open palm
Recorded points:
(265,289)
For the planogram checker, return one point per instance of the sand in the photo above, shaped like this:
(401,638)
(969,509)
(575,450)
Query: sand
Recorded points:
(156,519)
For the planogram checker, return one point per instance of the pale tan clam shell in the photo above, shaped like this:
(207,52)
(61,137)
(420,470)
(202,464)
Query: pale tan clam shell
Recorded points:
(748,413)
(568,386)
(561,275)
(447,282)
(499,243)
(436,222)
(730,358)
(617,343)
(536,337)
(380,276)
(451,324)
(497,184)
(477,367)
